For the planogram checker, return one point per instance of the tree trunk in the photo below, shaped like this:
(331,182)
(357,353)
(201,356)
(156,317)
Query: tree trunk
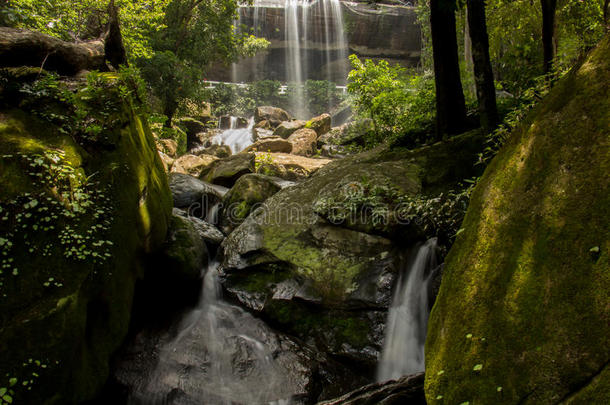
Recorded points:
(20,47)
(113,43)
(169,110)
(450,104)
(548,33)
(483,74)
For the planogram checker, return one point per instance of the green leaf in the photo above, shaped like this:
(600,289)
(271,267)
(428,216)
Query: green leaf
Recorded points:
(594,249)
(12,381)
(8,398)
(441,372)
(439,397)
(499,389)
(478,367)
(3,391)
(469,336)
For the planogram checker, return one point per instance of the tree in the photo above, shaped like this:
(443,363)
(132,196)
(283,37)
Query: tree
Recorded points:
(195,34)
(450,103)
(549,43)
(483,73)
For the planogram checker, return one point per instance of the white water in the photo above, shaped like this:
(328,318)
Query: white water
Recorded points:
(405,335)
(218,357)
(237,139)
(304,37)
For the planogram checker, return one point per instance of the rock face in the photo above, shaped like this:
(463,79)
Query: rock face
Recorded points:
(211,235)
(193,195)
(322,282)
(320,124)
(249,192)
(523,304)
(303,142)
(77,305)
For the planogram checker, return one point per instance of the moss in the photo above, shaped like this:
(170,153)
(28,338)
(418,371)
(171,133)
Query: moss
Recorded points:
(522,278)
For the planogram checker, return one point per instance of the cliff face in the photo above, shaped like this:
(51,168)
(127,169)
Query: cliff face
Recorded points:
(523,315)
(84,198)
(386,31)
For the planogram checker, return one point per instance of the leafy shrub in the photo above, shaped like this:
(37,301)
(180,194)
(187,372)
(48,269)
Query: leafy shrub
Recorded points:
(400,105)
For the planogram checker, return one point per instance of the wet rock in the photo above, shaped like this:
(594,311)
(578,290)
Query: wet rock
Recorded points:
(303,142)
(408,390)
(273,115)
(225,172)
(192,127)
(247,194)
(167,146)
(208,232)
(191,164)
(320,124)
(270,144)
(194,195)
(184,253)
(287,128)
(261,133)
(224,122)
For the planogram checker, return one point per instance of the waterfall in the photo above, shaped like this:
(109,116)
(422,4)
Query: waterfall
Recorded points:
(314,40)
(216,342)
(405,335)
(237,139)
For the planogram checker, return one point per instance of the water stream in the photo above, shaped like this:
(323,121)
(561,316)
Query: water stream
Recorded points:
(236,138)
(403,347)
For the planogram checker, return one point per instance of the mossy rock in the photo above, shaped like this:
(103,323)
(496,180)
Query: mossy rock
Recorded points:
(249,192)
(184,253)
(225,172)
(95,214)
(522,315)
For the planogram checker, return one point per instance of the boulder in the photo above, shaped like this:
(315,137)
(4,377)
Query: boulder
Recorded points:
(287,128)
(191,164)
(184,253)
(194,195)
(192,127)
(75,261)
(168,146)
(249,192)
(287,166)
(406,390)
(273,115)
(224,122)
(320,124)
(264,124)
(261,133)
(220,151)
(225,172)
(271,144)
(522,313)
(303,142)
(322,282)
(212,236)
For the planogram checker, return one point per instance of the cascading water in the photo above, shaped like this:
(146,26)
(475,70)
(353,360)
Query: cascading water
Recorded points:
(314,40)
(405,335)
(236,138)
(221,355)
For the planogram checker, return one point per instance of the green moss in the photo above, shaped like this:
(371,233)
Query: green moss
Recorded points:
(522,278)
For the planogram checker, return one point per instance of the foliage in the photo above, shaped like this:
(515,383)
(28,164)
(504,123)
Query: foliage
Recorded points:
(400,105)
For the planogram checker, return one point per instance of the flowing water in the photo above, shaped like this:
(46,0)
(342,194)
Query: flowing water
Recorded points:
(403,347)
(237,139)
(220,355)
(314,40)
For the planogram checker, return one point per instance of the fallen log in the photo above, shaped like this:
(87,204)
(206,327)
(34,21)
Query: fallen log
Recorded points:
(19,47)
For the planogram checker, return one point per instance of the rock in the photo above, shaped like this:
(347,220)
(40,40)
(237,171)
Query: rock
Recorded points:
(61,304)
(273,115)
(194,195)
(248,193)
(287,128)
(167,161)
(225,172)
(322,282)
(334,151)
(220,151)
(264,124)
(528,276)
(260,133)
(168,146)
(208,232)
(288,167)
(303,142)
(406,390)
(270,144)
(347,134)
(191,164)
(192,127)
(224,122)
(229,122)
(320,124)
(184,253)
